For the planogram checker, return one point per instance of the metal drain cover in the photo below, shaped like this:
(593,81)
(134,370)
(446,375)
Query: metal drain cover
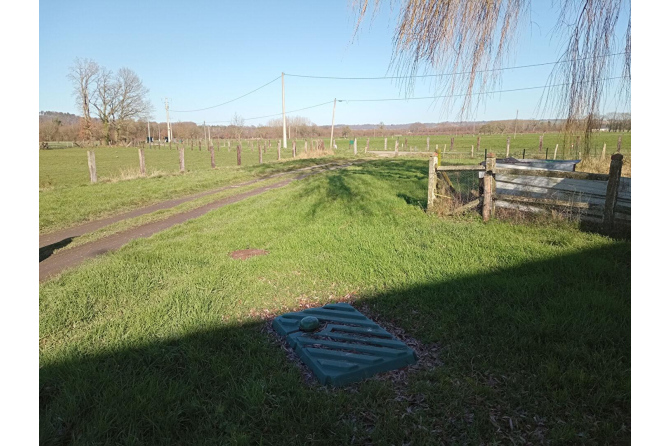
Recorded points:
(348,348)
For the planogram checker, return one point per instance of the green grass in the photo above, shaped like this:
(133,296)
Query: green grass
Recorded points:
(68,205)
(162,214)
(67,198)
(163,341)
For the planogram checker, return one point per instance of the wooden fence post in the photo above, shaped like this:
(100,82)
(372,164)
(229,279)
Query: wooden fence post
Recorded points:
(452,144)
(211,156)
(355,146)
(239,155)
(612,190)
(385,143)
(367,145)
(293,148)
(260,153)
(428,144)
(191,145)
(305,146)
(143,170)
(555,151)
(396,147)
(488,209)
(91,166)
(278,150)
(602,156)
(507,153)
(199,146)
(182,165)
(432,180)
(218,145)
(539,150)
(479,139)
(472,151)
(618,145)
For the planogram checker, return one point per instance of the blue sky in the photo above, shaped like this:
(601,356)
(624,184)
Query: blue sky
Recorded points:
(200,54)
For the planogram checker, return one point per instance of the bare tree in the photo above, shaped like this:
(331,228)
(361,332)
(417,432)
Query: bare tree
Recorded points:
(118,99)
(469,40)
(237,125)
(131,103)
(82,75)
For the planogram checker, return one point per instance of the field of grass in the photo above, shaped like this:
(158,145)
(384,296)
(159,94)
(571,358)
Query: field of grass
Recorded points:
(68,167)
(164,341)
(68,205)
(67,198)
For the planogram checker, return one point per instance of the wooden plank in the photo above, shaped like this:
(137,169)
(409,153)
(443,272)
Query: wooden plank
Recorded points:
(566,166)
(474,167)
(520,207)
(551,202)
(507,189)
(504,188)
(567,184)
(554,174)
(471,205)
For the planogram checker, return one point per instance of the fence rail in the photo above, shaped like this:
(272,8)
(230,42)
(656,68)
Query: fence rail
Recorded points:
(602,198)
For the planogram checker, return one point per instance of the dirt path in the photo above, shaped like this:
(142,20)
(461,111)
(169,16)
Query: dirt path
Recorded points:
(64,235)
(58,262)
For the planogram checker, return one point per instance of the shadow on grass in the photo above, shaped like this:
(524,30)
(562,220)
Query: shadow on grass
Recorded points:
(47,251)
(535,353)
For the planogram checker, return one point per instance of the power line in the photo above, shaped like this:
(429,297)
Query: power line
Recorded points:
(424,97)
(449,74)
(227,102)
(277,114)
(475,94)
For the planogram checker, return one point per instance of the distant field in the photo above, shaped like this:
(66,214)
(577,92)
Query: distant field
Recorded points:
(68,167)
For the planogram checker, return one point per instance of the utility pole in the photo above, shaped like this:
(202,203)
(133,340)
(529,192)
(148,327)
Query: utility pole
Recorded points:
(515,120)
(283,107)
(167,114)
(332,125)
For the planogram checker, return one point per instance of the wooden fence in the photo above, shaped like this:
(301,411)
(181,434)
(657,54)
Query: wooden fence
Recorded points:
(598,198)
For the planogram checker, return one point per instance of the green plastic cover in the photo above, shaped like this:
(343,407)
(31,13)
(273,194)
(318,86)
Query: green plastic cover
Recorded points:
(349,348)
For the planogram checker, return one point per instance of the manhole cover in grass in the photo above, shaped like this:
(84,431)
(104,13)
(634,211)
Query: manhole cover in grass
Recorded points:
(345,347)
(243,254)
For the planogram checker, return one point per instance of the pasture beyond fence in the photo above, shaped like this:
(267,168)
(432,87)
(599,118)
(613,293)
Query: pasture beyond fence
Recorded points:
(121,162)
(316,147)
(604,199)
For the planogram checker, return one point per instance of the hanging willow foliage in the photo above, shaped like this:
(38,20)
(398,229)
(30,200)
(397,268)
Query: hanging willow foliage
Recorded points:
(469,40)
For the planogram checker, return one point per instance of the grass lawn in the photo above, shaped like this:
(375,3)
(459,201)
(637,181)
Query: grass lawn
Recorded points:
(164,341)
